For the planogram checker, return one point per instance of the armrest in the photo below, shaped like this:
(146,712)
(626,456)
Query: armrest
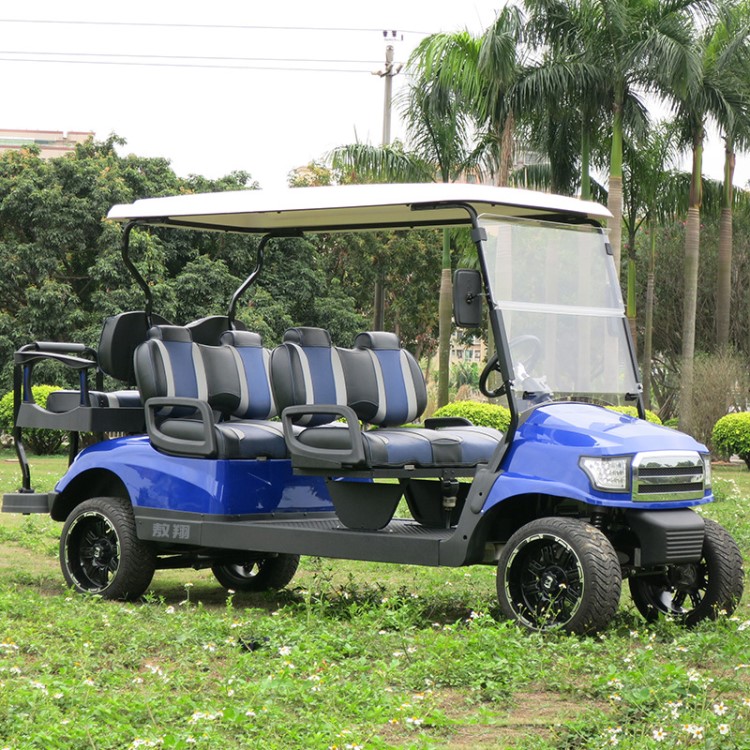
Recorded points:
(435,423)
(325,457)
(205,446)
(27,357)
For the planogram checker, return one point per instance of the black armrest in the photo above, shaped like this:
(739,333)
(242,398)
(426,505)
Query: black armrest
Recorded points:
(63,347)
(205,447)
(435,423)
(326,457)
(27,357)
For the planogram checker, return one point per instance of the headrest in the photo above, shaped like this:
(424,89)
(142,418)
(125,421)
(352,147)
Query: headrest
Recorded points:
(208,330)
(171,333)
(305,336)
(241,338)
(121,335)
(377,340)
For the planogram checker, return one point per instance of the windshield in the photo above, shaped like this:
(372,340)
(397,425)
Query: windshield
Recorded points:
(561,308)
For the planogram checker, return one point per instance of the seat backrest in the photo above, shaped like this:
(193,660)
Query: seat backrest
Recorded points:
(209,330)
(253,363)
(306,369)
(386,386)
(120,337)
(170,364)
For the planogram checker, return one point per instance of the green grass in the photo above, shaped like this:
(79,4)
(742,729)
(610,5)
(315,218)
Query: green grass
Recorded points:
(352,655)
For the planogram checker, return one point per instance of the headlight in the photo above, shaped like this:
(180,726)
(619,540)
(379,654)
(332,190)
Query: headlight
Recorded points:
(706,470)
(607,474)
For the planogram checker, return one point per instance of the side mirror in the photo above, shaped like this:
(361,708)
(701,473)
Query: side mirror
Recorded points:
(467,298)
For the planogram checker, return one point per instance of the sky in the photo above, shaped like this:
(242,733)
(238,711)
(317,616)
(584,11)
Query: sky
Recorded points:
(223,85)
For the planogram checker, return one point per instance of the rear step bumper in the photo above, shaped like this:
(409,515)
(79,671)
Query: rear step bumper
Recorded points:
(28,502)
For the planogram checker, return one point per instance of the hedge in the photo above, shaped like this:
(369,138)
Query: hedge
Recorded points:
(39,441)
(731,435)
(478,413)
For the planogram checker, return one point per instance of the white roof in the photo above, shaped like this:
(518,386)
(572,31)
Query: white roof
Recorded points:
(349,206)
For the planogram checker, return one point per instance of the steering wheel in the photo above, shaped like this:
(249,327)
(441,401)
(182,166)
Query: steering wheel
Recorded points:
(529,341)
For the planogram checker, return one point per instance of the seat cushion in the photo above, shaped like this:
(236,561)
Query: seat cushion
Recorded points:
(396,447)
(234,439)
(476,444)
(390,448)
(62,401)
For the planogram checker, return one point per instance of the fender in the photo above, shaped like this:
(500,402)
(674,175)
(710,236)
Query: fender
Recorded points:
(201,485)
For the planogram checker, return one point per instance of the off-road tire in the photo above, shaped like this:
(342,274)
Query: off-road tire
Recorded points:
(717,587)
(264,574)
(100,552)
(559,573)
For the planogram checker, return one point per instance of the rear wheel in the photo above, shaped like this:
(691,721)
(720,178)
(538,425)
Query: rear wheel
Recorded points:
(100,552)
(695,591)
(263,574)
(559,573)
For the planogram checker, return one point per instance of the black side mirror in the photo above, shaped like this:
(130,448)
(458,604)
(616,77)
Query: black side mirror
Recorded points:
(467,298)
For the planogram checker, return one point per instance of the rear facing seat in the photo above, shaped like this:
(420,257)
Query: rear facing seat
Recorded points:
(210,401)
(86,409)
(376,382)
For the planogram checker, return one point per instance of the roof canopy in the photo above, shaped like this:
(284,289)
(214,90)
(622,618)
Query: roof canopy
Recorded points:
(349,207)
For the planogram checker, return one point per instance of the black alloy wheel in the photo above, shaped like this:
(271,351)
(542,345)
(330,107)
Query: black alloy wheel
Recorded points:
(698,591)
(100,552)
(264,574)
(559,573)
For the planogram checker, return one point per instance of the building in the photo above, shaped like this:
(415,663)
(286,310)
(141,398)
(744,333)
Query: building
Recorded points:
(51,143)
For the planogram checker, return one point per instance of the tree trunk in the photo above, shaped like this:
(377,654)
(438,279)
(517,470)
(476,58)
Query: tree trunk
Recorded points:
(724,271)
(690,298)
(648,336)
(690,288)
(614,197)
(505,166)
(445,310)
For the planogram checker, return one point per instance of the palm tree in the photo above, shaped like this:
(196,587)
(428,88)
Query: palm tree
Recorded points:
(609,51)
(438,132)
(714,93)
(648,197)
(733,35)
(478,72)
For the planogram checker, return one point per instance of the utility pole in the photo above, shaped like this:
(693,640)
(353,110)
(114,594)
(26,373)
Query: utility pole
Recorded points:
(388,72)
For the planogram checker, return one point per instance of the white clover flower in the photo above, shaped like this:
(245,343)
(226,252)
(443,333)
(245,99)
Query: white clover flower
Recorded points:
(659,734)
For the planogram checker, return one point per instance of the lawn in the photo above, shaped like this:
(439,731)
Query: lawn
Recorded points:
(352,655)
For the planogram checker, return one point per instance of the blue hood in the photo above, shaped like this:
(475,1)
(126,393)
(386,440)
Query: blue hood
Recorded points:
(600,431)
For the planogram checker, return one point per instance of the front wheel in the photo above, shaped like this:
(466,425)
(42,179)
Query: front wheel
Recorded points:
(100,552)
(695,591)
(263,574)
(559,573)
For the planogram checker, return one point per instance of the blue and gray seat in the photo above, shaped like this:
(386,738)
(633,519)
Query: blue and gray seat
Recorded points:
(377,382)
(209,401)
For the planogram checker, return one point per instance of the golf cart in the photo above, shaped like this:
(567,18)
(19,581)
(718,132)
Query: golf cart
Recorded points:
(242,459)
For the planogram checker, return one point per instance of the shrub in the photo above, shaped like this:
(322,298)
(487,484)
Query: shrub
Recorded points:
(39,441)
(731,435)
(631,411)
(478,413)
(720,384)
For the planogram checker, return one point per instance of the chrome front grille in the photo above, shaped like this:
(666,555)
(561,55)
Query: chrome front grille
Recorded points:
(668,475)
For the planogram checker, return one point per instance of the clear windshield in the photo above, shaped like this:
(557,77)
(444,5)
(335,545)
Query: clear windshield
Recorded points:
(562,309)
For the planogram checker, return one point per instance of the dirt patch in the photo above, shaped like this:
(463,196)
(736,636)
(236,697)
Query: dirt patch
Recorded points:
(492,725)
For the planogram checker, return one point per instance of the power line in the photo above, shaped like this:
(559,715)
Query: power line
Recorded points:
(148,24)
(182,65)
(45,53)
